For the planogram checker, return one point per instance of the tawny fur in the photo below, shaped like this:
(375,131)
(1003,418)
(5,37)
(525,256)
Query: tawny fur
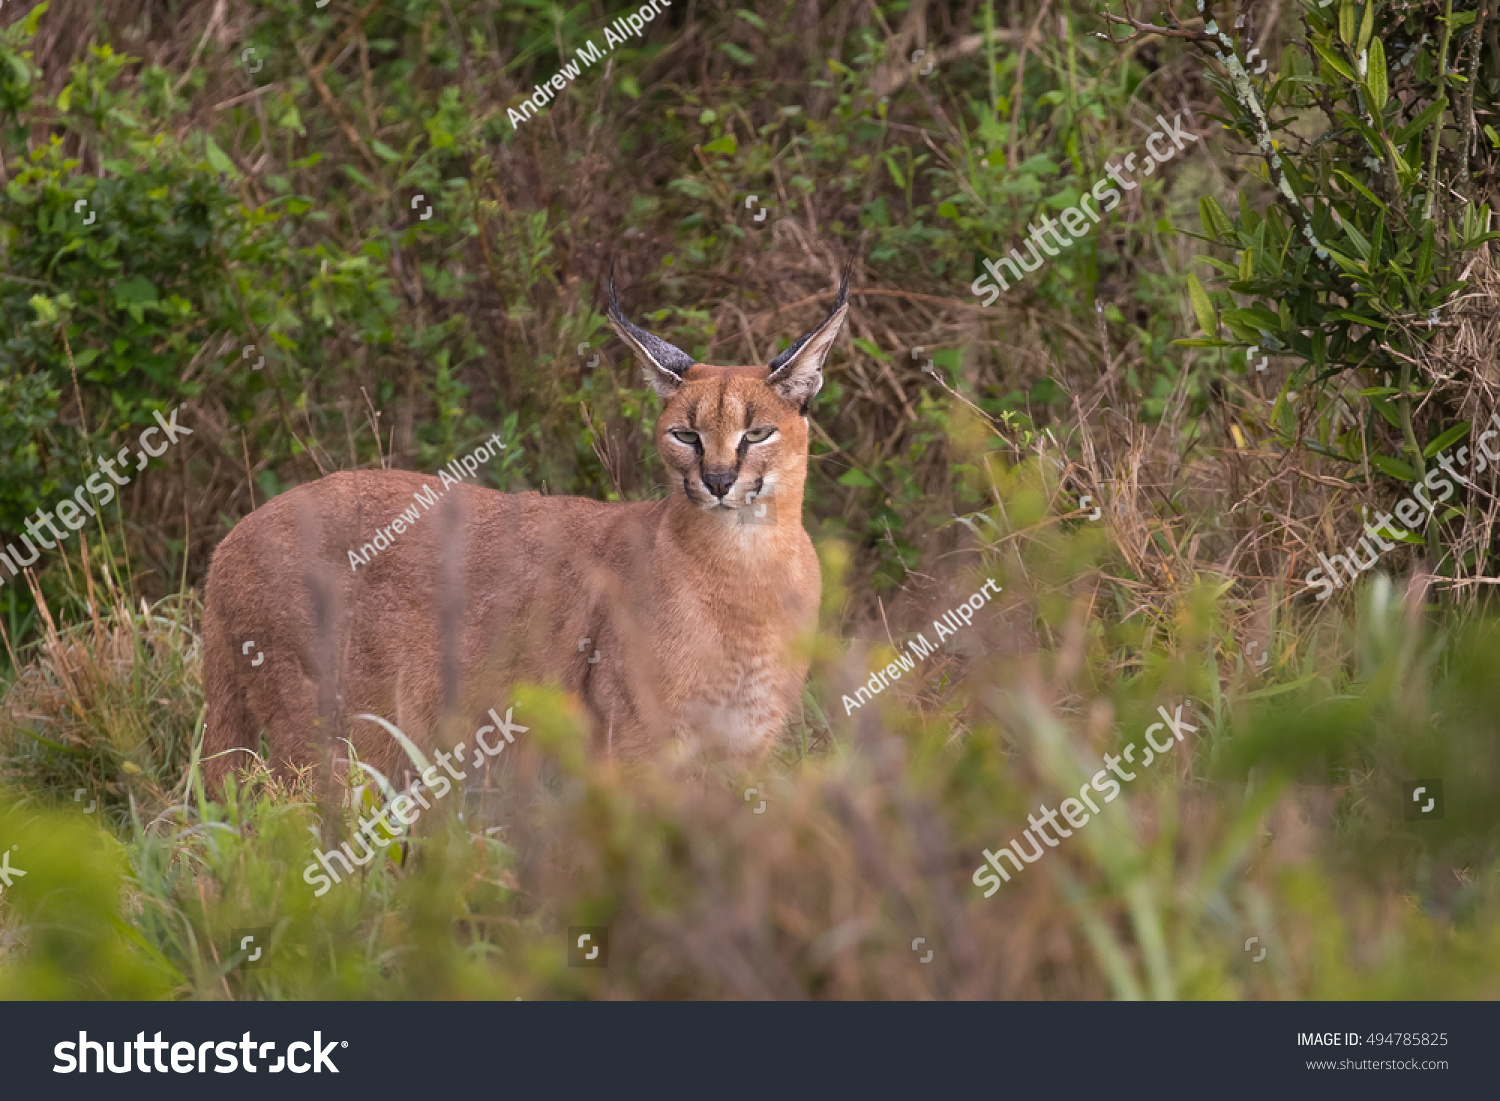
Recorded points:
(699,616)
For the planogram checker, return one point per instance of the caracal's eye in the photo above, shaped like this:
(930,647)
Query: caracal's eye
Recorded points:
(682,435)
(759,435)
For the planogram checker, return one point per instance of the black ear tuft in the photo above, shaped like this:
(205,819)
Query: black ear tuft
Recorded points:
(797,373)
(664,363)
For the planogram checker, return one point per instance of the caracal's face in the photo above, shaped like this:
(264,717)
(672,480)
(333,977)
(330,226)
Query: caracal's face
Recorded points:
(726,436)
(731,435)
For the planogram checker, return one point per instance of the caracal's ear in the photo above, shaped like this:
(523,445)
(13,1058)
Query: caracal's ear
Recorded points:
(664,363)
(797,373)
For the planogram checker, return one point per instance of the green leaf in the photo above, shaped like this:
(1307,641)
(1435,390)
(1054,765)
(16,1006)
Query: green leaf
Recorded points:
(895,169)
(1229,270)
(1424,251)
(1277,689)
(1256,317)
(1216,223)
(1402,168)
(1394,467)
(1358,319)
(1356,238)
(1333,61)
(135,296)
(46,311)
(1351,266)
(1375,78)
(738,53)
(1203,307)
(1346,21)
(726,145)
(412,751)
(1386,410)
(137,290)
(219,160)
(359,177)
(1367,29)
(855,478)
(1447,439)
(1361,188)
(34,16)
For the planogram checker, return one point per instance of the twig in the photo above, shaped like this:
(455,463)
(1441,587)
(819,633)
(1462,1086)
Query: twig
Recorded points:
(375,425)
(275,86)
(77,390)
(1015,95)
(1437,128)
(315,73)
(1177,29)
(1467,121)
(213,20)
(249,477)
(334,50)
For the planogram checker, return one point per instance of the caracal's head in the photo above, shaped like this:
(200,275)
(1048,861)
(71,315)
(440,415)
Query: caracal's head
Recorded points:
(731,435)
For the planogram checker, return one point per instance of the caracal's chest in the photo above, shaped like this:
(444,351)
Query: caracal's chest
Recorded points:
(745,671)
